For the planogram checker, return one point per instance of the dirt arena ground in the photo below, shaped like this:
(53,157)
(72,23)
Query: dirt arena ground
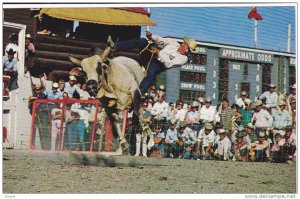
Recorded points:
(45,172)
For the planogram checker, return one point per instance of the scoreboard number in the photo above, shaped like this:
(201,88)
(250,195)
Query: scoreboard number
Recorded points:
(258,65)
(214,74)
(257,78)
(257,88)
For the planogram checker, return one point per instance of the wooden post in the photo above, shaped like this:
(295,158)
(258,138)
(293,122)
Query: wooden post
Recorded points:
(124,122)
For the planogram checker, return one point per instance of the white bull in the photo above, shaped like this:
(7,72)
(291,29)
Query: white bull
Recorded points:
(119,80)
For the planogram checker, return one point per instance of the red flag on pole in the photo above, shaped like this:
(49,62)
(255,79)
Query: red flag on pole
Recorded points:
(254,14)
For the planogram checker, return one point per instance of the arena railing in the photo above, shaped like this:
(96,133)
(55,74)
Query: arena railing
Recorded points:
(69,124)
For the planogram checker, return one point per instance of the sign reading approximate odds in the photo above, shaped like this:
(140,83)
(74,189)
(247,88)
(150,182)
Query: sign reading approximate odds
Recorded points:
(246,55)
(192,86)
(193,68)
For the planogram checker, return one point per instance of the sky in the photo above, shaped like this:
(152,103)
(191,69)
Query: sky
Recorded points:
(227,25)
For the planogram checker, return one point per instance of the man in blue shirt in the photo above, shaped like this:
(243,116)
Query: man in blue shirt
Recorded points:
(54,93)
(71,87)
(10,67)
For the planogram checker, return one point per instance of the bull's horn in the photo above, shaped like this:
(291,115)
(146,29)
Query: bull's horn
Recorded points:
(75,61)
(105,53)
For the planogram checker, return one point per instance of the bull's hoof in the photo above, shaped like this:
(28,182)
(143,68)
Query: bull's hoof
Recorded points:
(125,146)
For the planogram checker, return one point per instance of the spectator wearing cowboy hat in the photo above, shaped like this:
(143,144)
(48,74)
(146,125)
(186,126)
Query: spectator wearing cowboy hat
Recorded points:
(179,113)
(281,118)
(260,148)
(157,148)
(13,44)
(223,146)
(160,92)
(71,87)
(29,51)
(261,117)
(168,54)
(246,113)
(186,141)
(241,101)
(205,141)
(201,102)
(159,111)
(276,150)
(271,97)
(171,139)
(240,148)
(9,64)
(293,92)
(250,134)
(208,113)
(54,93)
(290,143)
(193,117)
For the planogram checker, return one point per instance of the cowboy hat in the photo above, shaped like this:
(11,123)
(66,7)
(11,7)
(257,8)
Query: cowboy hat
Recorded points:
(195,104)
(190,42)
(282,103)
(173,121)
(250,125)
(182,125)
(261,134)
(294,86)
(28,36)
(55,85)
(272,86)
(258,103)
(200,99)
(240,129)
(248,101)
(208,126)
(11,52)
(240,135)
(208,99)
(221,131)
(244,93)
(72,77)
(162,87)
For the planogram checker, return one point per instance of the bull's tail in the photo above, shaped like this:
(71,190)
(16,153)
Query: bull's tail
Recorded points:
(137,101)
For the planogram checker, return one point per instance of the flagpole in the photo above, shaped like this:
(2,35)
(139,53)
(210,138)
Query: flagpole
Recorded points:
(148,27)
(255,33)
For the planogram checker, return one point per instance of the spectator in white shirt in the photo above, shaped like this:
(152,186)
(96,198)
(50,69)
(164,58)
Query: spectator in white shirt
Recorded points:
(261,117)
(271,97)
(179,113)
(208,113)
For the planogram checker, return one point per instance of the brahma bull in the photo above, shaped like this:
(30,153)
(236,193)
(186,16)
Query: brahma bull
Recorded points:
(118,82)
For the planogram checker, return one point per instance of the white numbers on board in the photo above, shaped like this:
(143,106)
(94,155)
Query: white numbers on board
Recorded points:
(214,96)
(236,87)
(257,78)
(214,74)
(258,65)
(257,88)
(284,80)
(214,85)
(215,62)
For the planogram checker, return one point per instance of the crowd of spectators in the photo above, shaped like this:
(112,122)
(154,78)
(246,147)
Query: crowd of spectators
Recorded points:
(263,129)
(245,130)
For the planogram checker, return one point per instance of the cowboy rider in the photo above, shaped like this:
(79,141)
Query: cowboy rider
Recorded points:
(168,54)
